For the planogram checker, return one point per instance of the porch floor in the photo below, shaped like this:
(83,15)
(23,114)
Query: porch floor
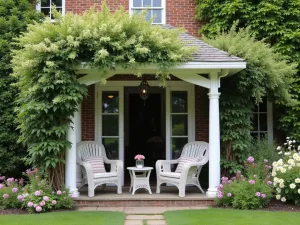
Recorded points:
(167,197)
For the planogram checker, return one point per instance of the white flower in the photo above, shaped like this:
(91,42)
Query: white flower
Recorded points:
(290,142)
(282,170)
(291,161)
(280,162)
(279,153)
(278,148)
(278,197)
(287,153)
(295,155)
(281,181)
(281,185)
(290,167)
(287,138)
(299,191)
(297,180)
(278,190)
(285,143)
(294,141)
(292,186)
(298,147)
(273,174)
(283,199)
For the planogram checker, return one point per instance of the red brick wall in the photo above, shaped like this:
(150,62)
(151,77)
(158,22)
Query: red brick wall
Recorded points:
(201,114)
(179,13)
(88,115)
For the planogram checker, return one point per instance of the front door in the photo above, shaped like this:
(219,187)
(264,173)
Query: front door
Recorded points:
(144,127)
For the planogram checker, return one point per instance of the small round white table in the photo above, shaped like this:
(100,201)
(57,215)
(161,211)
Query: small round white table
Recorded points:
(139,181)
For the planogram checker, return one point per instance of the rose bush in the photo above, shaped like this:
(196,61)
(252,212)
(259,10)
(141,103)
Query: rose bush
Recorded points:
(247,192)
(286,172)
(36,196)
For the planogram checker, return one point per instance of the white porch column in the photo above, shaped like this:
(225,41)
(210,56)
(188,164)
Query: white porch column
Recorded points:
(214,136)
(74,136)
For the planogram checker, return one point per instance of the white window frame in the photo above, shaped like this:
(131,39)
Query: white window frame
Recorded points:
(163,8)
(269,130)
(63,7)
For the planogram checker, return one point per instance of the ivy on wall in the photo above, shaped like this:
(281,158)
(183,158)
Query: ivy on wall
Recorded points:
(46,62)
(267,73)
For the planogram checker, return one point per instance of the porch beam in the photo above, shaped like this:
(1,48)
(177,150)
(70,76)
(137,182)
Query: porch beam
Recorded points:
(193,78)
(74,136)
(214,136)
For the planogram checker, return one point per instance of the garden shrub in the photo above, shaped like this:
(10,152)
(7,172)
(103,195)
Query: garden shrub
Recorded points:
(36,196)
(286,172)
(251,191)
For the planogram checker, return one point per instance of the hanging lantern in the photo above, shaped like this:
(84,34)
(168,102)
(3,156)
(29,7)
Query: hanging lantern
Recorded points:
(144,89)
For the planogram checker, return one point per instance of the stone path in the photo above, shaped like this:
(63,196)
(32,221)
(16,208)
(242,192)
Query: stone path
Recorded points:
(142,215)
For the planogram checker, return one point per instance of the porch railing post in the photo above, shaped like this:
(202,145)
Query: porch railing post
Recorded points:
(214,137)
(74,136)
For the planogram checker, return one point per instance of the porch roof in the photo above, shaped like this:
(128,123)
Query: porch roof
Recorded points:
(205,53)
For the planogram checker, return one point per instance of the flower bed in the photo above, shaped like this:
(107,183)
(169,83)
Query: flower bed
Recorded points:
(35,196)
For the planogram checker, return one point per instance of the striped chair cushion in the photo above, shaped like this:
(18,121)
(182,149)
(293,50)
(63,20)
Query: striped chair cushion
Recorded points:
(97,164)
(183,161)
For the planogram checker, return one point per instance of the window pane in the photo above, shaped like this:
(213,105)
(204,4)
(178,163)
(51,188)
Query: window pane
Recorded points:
(263,107)
(157,13)
(45,3)
(263,122)
(110,101)
(137,11)
(57,2)
(110,125)
(179,125)
(179,102)
(147,3)
(46,11)
(111,147)
(156,3)
(177,146)
(137,3)
(255,122)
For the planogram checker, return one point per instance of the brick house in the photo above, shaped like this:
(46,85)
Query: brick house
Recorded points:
(115,115)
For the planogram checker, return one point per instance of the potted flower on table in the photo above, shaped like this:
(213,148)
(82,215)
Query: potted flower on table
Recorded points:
(139,161)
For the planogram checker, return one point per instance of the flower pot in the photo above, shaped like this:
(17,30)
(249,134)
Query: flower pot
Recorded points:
(139,163)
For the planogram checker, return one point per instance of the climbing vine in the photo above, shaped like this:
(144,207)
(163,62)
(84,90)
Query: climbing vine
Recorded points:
(49,54)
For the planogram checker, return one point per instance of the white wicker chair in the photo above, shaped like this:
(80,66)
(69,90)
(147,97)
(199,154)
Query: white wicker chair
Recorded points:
(190,171)
(90,149)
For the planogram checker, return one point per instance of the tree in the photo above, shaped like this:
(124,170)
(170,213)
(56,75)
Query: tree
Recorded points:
(14,17)
(274,21)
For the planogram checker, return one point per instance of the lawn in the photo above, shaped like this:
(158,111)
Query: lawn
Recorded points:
(65,218)
(231,217)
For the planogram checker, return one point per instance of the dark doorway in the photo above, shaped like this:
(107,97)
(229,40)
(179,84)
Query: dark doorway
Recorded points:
(144,128)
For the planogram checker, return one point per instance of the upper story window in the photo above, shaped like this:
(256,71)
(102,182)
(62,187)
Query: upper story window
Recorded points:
(156,8)
(45,6)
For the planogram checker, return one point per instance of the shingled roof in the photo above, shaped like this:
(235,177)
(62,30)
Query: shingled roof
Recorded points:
(206,53)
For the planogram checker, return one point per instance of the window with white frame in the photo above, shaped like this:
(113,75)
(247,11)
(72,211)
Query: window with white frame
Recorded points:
(156,9)
(262,121)
(46,6)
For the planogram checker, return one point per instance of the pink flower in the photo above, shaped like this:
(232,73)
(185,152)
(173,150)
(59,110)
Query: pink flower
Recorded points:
(269,182)
(54,202)
(46,198)
(30,204)
(139,157)
(37,193)
(14,190)
(220,195)
(42,203)
(263,196)
(20,197)
(38,209)
(2,178)
(5,195)
(257,194)
(1,186)
(229,195)
(59,192)
(250,159)
(21,181)
(265,161)
(251,181)
(35,205)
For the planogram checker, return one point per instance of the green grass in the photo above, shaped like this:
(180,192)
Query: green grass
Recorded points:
(231,217)
(65,218)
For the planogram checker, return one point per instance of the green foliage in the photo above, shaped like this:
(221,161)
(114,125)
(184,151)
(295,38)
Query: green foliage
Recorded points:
(247,192)
(10,189)
(260,149)
(275,22)
(267,73)
(50,53)
(14,17)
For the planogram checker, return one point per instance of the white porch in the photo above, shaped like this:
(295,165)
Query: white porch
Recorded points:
(204,74)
